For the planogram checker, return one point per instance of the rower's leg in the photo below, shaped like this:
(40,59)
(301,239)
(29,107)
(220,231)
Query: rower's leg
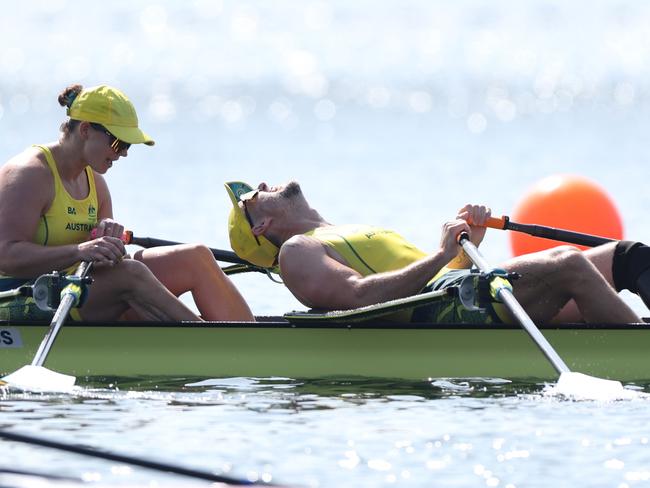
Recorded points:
(192,268)
(624,265)
(131,285)
(601,257)
(550,279)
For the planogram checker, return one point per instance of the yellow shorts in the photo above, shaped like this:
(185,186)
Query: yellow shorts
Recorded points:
(450,310)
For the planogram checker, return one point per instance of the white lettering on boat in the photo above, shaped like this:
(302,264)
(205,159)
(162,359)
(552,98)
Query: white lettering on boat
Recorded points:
(10,338)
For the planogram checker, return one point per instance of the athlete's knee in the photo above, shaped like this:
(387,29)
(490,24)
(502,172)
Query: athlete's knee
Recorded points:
(125,277)
(570,265)
(202,252)
(568,256)
(132,270)
(198,258)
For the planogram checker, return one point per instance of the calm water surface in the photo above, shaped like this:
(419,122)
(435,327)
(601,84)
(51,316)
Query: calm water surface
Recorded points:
(391,113)
(451,432)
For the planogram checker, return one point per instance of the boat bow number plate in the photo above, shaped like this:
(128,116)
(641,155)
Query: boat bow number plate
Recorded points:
(10,338)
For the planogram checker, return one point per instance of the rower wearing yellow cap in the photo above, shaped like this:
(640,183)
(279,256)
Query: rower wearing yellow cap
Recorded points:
(53,195)
(328,266)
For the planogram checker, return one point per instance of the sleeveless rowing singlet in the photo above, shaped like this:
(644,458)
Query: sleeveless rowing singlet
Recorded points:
(367,249)
(370,250)
(67,221)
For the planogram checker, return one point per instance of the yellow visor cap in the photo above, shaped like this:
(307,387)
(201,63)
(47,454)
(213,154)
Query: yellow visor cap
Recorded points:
(242,240)
(111,108)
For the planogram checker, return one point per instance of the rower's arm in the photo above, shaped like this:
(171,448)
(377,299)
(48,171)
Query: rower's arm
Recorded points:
(320,281)
(27,192)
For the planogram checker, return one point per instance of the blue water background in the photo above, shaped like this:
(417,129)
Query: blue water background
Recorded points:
(393,113)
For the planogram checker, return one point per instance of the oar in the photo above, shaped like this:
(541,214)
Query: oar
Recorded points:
(504,223)
(35,376)
(570,383)
(121,458)
(147,242)
(240,265)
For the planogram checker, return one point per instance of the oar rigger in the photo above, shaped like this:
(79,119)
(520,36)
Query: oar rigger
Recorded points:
(48,289)
(490,282)
(35,376)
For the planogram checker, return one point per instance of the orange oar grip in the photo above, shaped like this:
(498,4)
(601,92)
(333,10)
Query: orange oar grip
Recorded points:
(496,222)
(127,236)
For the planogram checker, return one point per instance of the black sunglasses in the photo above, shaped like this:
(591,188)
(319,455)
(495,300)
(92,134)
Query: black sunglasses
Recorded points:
(117,145)
(250,221)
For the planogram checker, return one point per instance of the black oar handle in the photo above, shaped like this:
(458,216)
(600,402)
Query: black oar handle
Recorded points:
(219,254)
(545,232)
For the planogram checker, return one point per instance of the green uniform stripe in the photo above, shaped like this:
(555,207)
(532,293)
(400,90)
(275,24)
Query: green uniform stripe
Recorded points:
(356,254)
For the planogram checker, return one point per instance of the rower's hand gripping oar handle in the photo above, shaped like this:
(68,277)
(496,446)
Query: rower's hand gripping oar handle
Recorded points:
(126,237)
(498,222)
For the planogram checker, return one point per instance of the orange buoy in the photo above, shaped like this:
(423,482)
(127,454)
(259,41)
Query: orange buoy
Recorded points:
(566,202)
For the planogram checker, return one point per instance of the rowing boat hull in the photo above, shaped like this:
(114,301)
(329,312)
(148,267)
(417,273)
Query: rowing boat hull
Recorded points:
(276,348)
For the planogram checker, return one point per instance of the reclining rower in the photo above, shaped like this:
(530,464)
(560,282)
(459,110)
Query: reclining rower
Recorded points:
(330,266)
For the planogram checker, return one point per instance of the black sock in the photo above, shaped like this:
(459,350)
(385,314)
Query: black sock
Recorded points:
(631,268)
(643,287)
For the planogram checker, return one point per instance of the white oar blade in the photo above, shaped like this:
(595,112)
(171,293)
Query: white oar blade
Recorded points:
(579,386)
(38,378)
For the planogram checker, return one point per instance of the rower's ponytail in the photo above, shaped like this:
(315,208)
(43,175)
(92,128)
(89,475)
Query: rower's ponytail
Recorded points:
(67,96)
(66,99)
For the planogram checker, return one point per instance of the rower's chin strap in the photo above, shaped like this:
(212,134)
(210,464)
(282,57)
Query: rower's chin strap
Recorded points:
(272,276)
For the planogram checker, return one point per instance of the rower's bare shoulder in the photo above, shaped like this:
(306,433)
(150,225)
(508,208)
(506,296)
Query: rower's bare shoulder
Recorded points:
(300,245)
(29,164)
(26,173)
(298,253)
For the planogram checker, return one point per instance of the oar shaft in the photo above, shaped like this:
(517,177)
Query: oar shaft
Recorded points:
(59,318)
(219,255)
(526,322)
(10,293)
(145,463)
(509,300)
(545,232)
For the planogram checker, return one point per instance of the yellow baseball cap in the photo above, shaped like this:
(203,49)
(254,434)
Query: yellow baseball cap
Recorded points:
(254,249)
(111,108)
